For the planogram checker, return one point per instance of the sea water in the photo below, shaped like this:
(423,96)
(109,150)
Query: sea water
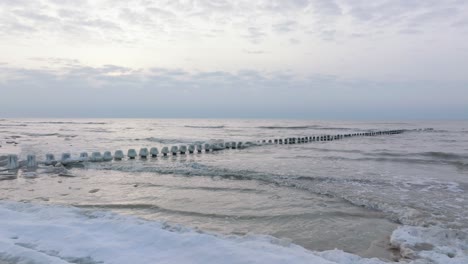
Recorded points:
(380,199)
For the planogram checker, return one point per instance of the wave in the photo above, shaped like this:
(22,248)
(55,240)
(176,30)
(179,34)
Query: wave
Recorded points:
(204,188)
(40,134)
(460,164)
(13,125)
(67,122)
(288,127)
(204,126)
(315,127)
(165,140)
(430,154)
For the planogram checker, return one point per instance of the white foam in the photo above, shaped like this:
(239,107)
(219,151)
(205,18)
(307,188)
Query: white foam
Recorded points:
(53,234)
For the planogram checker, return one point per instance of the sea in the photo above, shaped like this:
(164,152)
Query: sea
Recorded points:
(364,199)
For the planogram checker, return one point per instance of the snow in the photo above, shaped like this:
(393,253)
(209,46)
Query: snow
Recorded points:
(54,234)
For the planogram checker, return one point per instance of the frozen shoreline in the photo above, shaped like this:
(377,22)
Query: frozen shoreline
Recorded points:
(32,233)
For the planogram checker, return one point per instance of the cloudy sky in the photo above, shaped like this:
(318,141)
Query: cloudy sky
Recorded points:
(318,59)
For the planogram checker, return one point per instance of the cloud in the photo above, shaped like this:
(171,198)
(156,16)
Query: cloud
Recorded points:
(254,35)
(257,52)
(286,26)
(196,51)
(116,91)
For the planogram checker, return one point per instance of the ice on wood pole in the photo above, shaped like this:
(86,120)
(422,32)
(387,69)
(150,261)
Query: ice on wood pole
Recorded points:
(66,158)
(118,155)
(31,161)
(12,162)
(154,152)
(131,154)
(143,153)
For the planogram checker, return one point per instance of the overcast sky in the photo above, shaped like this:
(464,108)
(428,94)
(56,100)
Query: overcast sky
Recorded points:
(318,59)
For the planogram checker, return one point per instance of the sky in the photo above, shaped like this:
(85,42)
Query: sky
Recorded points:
(304,59)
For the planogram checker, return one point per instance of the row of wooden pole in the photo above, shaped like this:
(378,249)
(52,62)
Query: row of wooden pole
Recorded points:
(13,162)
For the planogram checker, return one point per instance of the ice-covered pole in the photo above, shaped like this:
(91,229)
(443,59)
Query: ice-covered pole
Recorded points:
(131,153)
(143,153)
(50,159)
(154,152)
(12,162)
(165,151)
(31,161)
(118,155)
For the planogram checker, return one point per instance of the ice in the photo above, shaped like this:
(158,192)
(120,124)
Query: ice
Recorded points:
(143,152)
(165,151)
(199,148)
(207,147)
(54,234)
(96,156)
(436,245)
(66,158)
(83,156)
(131,153)
(118,155)
(107,156)
(174,150)
(183,149)
(31,161)
(154,152)
(50,159)
(217,146)
(191,148)
(12,162)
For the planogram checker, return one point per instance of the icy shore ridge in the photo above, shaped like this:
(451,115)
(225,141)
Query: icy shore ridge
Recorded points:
(54,234)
